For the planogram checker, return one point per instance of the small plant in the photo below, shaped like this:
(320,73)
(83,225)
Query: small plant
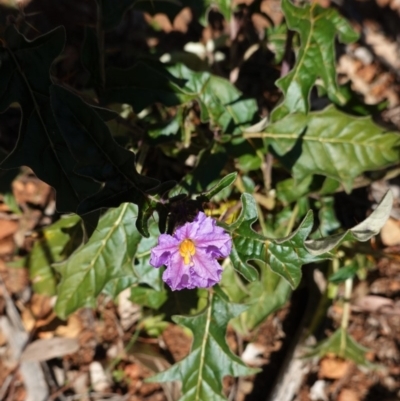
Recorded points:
(161,165)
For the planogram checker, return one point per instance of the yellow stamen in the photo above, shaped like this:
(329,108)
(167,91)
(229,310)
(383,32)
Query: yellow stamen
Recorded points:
(187,250)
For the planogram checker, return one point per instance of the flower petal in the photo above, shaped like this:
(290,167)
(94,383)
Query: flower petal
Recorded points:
(206,271)
(167,245)
(210,242)
(177,274)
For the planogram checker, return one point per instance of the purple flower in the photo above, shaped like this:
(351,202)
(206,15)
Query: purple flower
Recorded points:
(190,254)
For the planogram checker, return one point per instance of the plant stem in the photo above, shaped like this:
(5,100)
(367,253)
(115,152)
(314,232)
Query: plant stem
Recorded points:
(348,287)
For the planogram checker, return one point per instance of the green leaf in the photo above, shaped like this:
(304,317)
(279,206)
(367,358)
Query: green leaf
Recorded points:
(341,344)
(224,183)
(220,102)
(10,201)
(145,273)
(100,157)
(344,273)
(331,143)
(48,249)
(317,27)
(210,359)
(164,132)
(328,222)
(148,297)
(276,40)
(105,260)
(285,256)
(288,191)
(25,79)
(263,297)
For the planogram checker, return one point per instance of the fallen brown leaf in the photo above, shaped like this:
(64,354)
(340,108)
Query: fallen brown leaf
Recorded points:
(45,349)
(348,395)
(7,228)
(333,368)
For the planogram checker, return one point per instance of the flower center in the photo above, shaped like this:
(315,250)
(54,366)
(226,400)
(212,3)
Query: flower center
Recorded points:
(187,250)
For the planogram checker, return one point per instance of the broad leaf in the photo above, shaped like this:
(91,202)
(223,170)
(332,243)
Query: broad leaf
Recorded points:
(331,143)
(25,79)
(210,359)
(105,260)
(317,27)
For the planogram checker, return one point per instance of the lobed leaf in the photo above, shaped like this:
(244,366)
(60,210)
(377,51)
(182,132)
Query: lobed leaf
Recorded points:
(285,256)
(99,157)
(210,359)
(317,27)
(25,79)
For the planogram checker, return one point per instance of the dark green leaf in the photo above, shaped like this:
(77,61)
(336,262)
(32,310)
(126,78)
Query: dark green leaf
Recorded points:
(225,182)
(265,297)
(100,157)
(344,273)
(276,39)
(210,359)
(317,27)
(286,256)
(148,297)
(331,143)
(341,344)
(104,262)
(25,79)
